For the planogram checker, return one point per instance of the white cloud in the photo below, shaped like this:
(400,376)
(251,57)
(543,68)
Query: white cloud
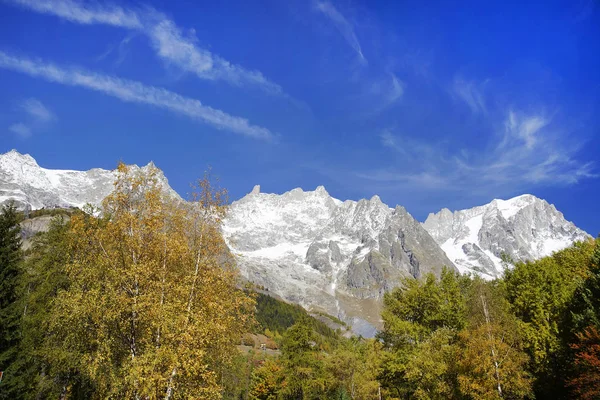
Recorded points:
(38,116)
(395,91)
(167,39)
(37,110)
(523,129)
(389,140)
(471,93)
(76,11)
(529,151)
(135,92)
(379,94)
(343,26)
(121,49)
(20,129)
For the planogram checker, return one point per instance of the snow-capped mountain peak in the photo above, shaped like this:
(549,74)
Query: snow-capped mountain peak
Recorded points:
(521,228)
(511,207)
(23,181)
(316,250)
(255,189)
(14,157)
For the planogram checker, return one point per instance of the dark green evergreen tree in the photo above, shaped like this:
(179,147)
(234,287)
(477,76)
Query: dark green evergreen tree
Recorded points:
(44,276)
(10,259)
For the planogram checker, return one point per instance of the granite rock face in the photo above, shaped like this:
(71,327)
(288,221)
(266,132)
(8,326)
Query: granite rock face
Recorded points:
(482,239)
(313,249)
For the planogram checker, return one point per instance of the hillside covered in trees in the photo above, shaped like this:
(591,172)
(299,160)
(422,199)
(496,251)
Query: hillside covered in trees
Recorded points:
(141,301)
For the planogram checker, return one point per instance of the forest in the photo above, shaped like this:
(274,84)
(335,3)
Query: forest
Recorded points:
(141,300)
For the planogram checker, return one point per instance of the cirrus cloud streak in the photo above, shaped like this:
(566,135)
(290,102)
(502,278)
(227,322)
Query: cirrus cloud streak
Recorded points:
(134,92)
(529,150)
(167,39)
(344,26)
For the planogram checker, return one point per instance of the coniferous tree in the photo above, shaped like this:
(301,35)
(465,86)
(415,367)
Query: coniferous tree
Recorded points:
(581,327)
(584,309)
(44,277)
(10,259)
(302,364)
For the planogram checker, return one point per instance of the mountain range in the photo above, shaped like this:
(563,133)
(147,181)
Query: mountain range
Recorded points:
(333,256)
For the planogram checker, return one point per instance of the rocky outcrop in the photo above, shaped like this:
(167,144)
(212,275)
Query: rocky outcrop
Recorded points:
(310,248)
(483,239)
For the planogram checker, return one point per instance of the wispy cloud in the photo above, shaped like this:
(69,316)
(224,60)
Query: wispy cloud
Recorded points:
(345,27)
(120,48)
(389,140)
(37,110)
(36,116)
(167,39)
(471,93)
(134,92)
(20,129)
(387,91)
(376,95)
(528,150)
(521,129)
(76,11)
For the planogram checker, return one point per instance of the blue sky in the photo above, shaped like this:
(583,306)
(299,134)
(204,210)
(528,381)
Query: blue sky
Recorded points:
(426,104)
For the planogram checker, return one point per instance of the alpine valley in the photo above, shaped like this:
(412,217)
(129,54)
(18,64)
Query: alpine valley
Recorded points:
(328,255)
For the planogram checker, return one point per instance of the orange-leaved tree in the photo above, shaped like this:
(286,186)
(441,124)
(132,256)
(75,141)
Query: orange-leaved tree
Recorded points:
(586,382)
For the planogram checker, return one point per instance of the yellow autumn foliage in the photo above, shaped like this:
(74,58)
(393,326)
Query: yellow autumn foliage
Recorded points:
(153,309)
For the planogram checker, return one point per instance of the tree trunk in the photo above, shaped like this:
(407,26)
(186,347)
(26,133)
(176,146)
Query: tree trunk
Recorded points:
(188,309)
(492,347)
(170,385)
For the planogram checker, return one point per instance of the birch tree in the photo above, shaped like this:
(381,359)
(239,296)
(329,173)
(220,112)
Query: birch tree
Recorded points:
(491,364)
(153,305)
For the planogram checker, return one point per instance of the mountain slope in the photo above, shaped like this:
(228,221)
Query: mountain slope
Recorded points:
(339,257)
(23,181)
(328,255)
(522,228)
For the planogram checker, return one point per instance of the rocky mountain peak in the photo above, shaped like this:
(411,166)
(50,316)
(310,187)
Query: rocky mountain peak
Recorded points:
(14,157)
(313,249)
(23,181)
(321,191)
(523,228)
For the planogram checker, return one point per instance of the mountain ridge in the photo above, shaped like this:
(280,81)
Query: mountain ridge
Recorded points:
(522,228)
(339,256)
(23,181)
(326,254)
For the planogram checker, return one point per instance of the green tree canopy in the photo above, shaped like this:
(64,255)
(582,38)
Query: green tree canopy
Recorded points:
(10,259)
